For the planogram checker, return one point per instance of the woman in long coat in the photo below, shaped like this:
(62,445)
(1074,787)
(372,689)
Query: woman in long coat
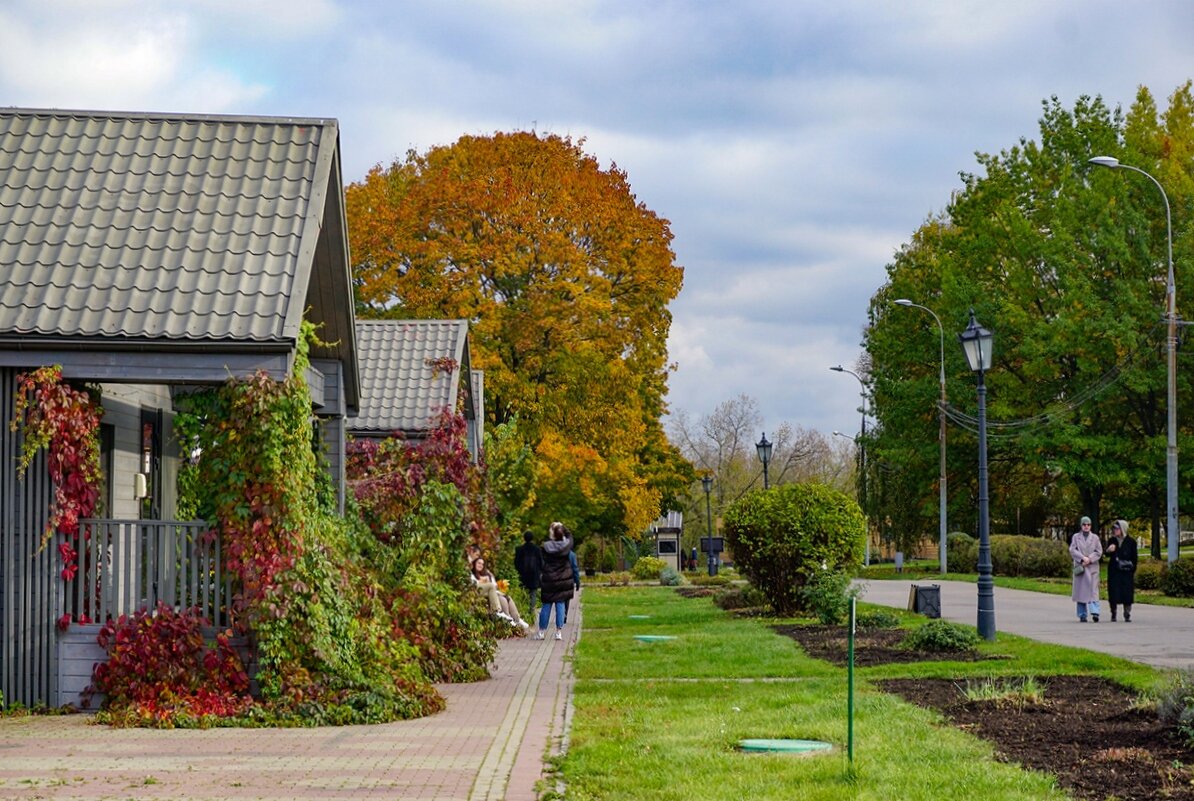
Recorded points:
(1121,569)
(1085,551)
(557,579)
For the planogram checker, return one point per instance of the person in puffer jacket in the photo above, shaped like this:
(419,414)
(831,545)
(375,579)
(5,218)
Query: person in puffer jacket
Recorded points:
(557,579)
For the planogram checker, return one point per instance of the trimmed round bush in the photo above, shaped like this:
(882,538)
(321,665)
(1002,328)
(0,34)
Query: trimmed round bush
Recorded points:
(647,568)
(705,580)
(877,619)
(1011,555)
(941,635)
(740,598)
(1149,573)
(1178,579)
(781,536)
(961,552)
(669,577)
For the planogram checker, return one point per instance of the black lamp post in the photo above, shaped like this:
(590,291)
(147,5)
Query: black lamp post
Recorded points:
(707,483)
(764,449)
(977,343)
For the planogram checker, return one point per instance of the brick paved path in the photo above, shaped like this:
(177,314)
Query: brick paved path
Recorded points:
(490,743)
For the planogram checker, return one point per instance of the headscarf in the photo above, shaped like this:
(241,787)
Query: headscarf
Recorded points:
(1122,525)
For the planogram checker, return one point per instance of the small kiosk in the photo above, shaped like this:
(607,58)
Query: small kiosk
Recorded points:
(667,530)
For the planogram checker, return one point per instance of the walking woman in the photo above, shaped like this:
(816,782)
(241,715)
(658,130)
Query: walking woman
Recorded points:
(1085,551)
(1121,569)
(557,579)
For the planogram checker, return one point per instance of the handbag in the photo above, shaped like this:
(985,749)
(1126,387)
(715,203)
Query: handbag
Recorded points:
(1079,569)
(1127,566)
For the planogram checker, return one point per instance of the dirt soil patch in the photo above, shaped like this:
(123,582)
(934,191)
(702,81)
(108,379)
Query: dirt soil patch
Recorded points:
(1088,732)
(871,646)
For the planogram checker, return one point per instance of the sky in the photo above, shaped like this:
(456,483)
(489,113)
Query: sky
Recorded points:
(794,145)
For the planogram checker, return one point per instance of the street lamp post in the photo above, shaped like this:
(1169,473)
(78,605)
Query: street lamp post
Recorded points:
(862,496)
(763,447)
(976,342)
(942,501)
(707,483)
(1172,530)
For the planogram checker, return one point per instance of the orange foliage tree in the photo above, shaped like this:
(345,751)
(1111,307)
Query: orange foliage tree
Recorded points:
(565,278)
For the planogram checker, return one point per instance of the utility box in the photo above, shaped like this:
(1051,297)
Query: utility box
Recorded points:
(667,530)
(925,600)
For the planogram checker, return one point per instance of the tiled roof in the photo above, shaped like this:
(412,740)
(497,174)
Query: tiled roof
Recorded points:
(169,227)
(404,381)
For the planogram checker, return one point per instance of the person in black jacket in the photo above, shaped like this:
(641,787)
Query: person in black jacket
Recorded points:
(1121,569)
(557,579)
(528,561)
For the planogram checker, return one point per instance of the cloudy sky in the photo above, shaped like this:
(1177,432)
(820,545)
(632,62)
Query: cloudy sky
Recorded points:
(793,144)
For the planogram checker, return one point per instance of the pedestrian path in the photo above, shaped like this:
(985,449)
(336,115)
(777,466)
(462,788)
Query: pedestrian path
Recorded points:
(489,744)
(1162,636)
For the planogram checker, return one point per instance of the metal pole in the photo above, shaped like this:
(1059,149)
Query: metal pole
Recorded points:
(709,520)
(766,483)
(986,585)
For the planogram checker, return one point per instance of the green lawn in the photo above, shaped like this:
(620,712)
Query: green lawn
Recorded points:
(661,720)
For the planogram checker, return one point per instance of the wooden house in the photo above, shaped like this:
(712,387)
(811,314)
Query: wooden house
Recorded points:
(145,254)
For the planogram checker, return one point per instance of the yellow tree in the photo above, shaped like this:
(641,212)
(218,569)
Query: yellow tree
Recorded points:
(565,278)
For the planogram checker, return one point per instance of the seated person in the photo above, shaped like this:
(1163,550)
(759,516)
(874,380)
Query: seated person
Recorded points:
(500,604)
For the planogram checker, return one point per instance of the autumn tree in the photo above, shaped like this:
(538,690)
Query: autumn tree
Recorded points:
(565,278)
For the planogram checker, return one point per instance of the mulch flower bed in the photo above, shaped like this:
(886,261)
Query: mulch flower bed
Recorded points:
(1088,732)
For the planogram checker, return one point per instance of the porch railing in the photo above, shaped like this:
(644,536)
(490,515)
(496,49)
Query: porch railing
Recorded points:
(126,565)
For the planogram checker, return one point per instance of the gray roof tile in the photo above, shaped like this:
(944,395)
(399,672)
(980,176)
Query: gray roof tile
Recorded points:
(157,226)
(401,388)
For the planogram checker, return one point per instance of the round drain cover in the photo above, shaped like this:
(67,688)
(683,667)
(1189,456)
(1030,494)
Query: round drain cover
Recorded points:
(784,746)
(653,637)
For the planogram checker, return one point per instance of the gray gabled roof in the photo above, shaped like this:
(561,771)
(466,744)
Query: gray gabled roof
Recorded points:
(410,372)
(172,233)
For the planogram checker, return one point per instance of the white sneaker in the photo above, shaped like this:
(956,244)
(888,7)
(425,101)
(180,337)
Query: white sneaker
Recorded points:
(559,634)
(538,635)
(522,624)
(504,616)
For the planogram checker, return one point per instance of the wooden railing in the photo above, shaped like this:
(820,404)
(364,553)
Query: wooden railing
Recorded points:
(126,565)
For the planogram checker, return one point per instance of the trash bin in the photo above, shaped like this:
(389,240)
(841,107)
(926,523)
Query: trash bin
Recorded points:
(927,600)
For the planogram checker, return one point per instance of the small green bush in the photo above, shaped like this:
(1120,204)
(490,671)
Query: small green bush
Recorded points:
(619,579)
(827,595)
(740,598)
(877,619)
(961,552)
(647,568)
(1175,705)
(941,635)
(1149,573)
(782,536)
(1178,580)
(669,577)
(705,580)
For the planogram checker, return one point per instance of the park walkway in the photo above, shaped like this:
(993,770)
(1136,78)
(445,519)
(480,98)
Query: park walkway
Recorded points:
(490,744)
(1162,636)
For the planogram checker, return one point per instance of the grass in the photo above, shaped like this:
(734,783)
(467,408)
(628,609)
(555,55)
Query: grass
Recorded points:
(1015,692)
(661,721)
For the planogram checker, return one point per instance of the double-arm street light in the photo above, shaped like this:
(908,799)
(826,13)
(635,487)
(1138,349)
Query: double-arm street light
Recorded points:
(707,483)
(1172,531)
(943,502)
(861,452)
(977,343)
(763,448)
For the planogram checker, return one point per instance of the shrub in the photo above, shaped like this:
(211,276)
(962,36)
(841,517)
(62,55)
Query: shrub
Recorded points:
(1175,705)
(961,552)
(669,577)
(740,598)
(1178,579)
(780,537)
(618,579)
(705,580)
(827,595)
(647,568)
(941,635)
(1149,573)
(877,619)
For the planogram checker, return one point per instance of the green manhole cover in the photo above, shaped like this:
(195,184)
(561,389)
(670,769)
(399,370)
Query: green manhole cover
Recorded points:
(653,637)
(784,746)
(639,617)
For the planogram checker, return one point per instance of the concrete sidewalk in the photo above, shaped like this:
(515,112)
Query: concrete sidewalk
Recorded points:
(490,743)
(1162,636)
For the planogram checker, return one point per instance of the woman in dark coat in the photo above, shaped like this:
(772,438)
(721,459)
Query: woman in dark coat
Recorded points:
(1121,569)
(557,579)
